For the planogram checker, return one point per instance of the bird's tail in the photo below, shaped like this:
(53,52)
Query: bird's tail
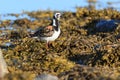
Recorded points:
(32,35)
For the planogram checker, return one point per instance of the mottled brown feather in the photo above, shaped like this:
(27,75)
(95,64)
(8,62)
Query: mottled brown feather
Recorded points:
(44,31)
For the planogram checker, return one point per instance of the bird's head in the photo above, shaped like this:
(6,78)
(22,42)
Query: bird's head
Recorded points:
(57,16)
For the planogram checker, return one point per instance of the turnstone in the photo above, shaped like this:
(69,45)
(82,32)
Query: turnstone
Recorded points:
(50,32)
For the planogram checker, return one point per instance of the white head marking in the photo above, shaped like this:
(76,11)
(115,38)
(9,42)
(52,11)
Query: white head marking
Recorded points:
(57,15)
(54,24)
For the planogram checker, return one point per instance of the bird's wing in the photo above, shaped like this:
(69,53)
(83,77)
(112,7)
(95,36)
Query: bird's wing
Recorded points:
(44,31)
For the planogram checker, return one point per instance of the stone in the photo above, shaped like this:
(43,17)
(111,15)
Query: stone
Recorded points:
(46,77)
(3,66)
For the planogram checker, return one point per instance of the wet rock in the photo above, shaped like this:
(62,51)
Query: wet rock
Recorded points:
(46,77)
(106,25)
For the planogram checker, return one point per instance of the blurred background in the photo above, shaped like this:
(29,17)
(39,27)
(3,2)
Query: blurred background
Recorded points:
(18,6)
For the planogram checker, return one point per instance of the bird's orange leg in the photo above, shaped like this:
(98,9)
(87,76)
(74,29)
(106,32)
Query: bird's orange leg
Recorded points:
(48,44)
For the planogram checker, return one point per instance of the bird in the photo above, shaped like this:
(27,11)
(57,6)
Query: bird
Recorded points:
(51,32)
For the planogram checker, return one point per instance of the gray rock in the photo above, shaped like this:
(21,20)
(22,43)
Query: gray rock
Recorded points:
(106,25)
(46,77)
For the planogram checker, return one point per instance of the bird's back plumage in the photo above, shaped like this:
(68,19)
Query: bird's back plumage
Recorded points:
(44,31)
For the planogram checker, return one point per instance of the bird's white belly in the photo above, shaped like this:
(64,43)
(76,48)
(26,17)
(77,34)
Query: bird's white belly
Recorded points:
(53,37)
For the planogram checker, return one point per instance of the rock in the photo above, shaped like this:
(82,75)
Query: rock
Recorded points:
(3,66)
(106,25)
(46,77)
